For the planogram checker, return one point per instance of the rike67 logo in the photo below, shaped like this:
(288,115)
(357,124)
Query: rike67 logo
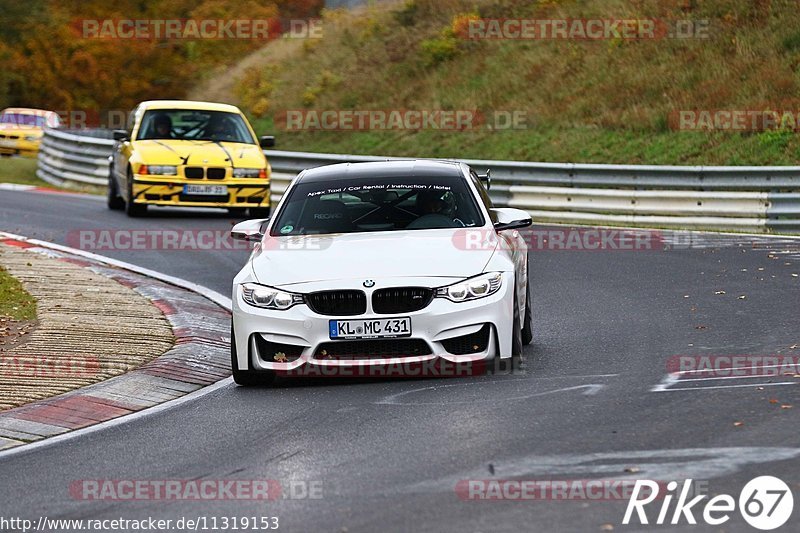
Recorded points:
(765,503)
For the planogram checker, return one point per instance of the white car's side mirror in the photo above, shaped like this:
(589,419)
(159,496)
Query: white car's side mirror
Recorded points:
(509,218)
(249,230)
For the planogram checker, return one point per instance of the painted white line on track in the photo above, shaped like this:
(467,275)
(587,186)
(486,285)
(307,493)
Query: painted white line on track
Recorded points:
(16,187)
(219,299)
(733,368)
(392,399)
(751,385)
(692,380)
(669,379)
(664,464)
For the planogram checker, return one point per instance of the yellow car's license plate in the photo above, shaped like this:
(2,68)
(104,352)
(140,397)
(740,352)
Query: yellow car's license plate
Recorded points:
(209,190)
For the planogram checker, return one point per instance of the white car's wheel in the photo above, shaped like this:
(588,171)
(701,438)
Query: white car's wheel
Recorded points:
(516,332)
(527,321)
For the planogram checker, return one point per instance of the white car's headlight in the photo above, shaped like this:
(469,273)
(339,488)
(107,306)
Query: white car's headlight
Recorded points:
(473,288)
(248,172)
(163,170)
(268,297)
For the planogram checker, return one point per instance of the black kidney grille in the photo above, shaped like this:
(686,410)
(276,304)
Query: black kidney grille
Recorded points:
(401,300)
(215,173)
(194,173)
(338,303)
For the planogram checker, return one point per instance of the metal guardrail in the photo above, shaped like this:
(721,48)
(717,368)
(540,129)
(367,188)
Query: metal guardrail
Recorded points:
(65,157)
(753,199)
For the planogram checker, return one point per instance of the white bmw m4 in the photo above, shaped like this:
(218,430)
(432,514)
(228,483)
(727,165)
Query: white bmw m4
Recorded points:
(368,264)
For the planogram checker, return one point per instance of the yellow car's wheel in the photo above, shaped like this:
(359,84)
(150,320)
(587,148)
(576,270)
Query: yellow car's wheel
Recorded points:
(132,209)
(115,201)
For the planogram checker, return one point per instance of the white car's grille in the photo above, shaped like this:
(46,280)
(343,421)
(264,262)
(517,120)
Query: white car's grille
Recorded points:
(397,300)
(372,349)
(338,303)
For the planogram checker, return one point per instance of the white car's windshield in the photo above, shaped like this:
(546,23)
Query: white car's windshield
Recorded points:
(377,204)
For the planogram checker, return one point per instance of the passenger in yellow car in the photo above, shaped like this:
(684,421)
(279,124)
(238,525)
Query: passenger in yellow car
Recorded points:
(220,129)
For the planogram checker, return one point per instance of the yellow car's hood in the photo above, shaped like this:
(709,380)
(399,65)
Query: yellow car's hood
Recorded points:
(199,153)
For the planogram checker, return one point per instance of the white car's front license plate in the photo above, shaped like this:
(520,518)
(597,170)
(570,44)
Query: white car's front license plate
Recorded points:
(207,190)
(370,329)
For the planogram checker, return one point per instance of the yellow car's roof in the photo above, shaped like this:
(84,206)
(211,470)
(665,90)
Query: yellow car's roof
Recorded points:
(28,111)
(189,104)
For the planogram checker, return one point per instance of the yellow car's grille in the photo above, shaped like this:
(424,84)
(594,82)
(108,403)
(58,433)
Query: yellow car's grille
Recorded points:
(198,173)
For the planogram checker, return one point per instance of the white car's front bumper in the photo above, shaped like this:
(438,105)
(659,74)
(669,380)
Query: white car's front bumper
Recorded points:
(262,335)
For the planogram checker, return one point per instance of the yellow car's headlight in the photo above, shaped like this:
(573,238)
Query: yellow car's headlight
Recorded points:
(249,173)
(158,170)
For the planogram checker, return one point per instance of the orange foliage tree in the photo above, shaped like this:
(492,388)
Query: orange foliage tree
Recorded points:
(46,61)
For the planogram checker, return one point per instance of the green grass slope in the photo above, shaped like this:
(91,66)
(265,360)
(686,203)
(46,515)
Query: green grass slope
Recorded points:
(602,101)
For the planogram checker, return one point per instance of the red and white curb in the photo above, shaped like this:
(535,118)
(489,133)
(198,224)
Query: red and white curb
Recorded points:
(34,188)
(200,320)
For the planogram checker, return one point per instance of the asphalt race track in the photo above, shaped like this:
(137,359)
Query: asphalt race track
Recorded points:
(592,400)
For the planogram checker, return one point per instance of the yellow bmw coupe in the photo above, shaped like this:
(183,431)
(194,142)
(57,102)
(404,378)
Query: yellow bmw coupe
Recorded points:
(21,130)
(196,154)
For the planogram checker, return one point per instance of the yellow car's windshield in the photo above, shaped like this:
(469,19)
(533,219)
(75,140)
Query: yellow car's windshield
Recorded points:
(197,125)
(23,119)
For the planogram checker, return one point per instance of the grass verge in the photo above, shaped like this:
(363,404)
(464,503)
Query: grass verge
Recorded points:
(15,302)
(22,170)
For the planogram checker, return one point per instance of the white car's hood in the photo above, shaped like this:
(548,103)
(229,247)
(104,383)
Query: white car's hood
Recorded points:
(421,253)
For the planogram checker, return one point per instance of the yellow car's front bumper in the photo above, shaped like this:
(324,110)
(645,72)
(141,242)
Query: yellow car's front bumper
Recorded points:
(18,146)
(170,190)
